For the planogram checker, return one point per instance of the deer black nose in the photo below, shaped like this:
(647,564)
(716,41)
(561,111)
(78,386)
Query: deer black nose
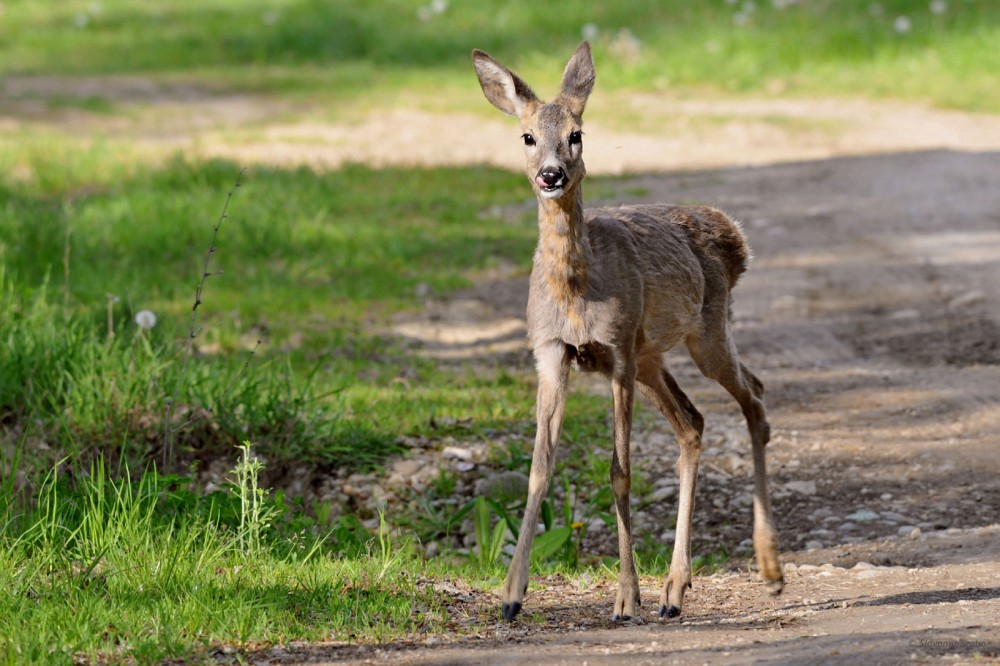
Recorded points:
(552,176)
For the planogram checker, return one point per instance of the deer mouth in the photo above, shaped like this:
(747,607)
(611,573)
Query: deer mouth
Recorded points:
(551,188)
(553,192)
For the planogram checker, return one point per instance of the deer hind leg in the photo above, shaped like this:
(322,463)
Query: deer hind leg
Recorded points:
(718,359)
(623,389)
(553,372)
(660,387)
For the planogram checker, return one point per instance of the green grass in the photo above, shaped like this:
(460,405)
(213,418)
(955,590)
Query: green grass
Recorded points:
(97,568)
(370,50)
(312,264)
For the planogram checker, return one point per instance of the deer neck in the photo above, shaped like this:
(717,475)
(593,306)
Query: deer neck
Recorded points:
(564,254)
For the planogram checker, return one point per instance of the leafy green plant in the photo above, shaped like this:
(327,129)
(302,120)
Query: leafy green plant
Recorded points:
(255,515)
(489,541)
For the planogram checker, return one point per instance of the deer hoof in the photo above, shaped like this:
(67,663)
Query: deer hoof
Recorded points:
(669,611)
(775,586)
(511,610)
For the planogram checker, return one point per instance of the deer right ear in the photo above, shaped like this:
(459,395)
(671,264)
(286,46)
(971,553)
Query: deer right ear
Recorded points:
(502,87)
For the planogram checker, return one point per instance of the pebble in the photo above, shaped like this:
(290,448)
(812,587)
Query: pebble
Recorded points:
(846,527)
(972,297)
(504,487)
(863,516)
(814,545)
(664,493)
(457,453)
(406,467)
(910,531)
(802,487)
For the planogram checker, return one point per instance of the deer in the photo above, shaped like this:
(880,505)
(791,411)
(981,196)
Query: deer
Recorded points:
(612,290)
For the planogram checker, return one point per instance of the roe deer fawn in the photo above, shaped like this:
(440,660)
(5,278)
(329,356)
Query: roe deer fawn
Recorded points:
(612,289)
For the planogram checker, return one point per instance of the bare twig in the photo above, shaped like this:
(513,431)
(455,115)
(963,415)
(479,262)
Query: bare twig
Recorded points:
(168,432)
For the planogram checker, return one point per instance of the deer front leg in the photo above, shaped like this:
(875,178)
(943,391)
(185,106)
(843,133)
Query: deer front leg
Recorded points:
(553,372)
(623,389)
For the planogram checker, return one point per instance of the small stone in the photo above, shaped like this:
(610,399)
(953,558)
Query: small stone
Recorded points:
(972,297)
(457,453)
(869,573)
(863,516)
(885,497)
(863,566)
(664,493)
(846,527)
(432,550)
(802,487)
(406,468)
(463,466)
(813,545)
(504,487)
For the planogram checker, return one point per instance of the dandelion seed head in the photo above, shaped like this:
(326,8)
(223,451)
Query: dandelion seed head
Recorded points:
(145,319)
(939,7)
(902,25)
(589,31)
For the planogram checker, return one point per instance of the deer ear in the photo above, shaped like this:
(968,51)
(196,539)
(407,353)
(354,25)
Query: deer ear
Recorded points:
(578,79)
(502,87)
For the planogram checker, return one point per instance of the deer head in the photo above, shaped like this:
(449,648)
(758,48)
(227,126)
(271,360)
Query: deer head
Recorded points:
(553,132)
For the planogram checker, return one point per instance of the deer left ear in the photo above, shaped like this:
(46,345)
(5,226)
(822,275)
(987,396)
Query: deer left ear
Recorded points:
(578,79)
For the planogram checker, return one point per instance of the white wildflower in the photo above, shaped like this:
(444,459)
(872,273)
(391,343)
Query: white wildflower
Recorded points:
(435,8)
(902,25)
(589,31)
(145,319)
(939,7)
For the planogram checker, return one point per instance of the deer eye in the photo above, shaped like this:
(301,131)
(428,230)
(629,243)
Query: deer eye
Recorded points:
(528,139)
(575,138)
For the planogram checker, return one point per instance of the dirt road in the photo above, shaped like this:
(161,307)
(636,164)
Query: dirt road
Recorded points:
(872,312)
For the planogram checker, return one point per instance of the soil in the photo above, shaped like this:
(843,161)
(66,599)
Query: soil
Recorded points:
(871,313)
